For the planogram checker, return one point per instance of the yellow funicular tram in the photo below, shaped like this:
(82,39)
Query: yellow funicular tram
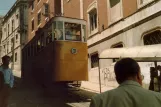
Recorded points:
(57,53)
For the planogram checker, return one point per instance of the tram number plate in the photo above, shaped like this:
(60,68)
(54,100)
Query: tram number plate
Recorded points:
(74,51)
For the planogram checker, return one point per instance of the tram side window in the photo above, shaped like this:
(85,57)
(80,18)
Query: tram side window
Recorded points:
(38,45)
(42,41)
(58,30)
(49,38)
(72,31)
(94,60)
(33,45)
(26,53)
(23,56)
(31,49)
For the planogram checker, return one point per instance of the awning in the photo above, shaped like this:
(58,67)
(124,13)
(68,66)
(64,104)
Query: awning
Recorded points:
(148,52)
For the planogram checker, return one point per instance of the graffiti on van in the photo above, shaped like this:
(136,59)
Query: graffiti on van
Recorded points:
(149,65)
(108,75)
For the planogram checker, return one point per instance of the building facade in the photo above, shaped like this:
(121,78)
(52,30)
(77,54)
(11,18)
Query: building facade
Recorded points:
(14,33)
(115,24)
(40,12)
(1,19)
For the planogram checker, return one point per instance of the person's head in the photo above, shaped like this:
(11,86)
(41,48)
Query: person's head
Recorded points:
(127,69)
(6,60)
(1,80)
(159,67)
(152,69)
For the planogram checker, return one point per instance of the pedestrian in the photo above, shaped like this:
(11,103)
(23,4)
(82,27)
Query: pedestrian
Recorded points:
(1,81)
(8,79)
(152,76)
(159,77)
(1,89)
(129,93)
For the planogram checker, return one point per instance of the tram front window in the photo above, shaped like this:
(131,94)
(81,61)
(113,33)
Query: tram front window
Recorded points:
(72,31)
(58,30)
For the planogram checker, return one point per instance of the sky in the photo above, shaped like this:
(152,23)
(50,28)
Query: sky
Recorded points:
(5,5)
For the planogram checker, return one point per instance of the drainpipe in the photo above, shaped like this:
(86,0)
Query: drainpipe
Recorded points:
(13,51)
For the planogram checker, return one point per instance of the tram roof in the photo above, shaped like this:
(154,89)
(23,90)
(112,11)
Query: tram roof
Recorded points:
(69,19)
(140,53)
(65,19)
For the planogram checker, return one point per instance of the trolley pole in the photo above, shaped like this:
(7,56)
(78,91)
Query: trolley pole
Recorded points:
(99,74)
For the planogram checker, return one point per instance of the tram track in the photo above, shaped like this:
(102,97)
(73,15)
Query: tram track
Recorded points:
(81,99)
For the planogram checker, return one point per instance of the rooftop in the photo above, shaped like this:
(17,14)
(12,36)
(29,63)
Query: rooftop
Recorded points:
(12,9)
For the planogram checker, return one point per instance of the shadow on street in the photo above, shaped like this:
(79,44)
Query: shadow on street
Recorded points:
(33,95)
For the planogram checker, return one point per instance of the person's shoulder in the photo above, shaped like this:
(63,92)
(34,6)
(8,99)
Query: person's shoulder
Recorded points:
(104,94)
(153,93)
(9,69)
(98,99)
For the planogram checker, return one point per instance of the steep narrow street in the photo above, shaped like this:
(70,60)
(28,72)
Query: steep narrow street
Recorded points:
(33,96)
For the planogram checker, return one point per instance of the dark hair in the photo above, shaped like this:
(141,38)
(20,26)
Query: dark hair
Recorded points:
(152,69)
(5,57)
(153,72)
(125,68)
(158,67)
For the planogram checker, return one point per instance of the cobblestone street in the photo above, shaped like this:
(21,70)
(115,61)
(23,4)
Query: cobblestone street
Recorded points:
(33,96)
